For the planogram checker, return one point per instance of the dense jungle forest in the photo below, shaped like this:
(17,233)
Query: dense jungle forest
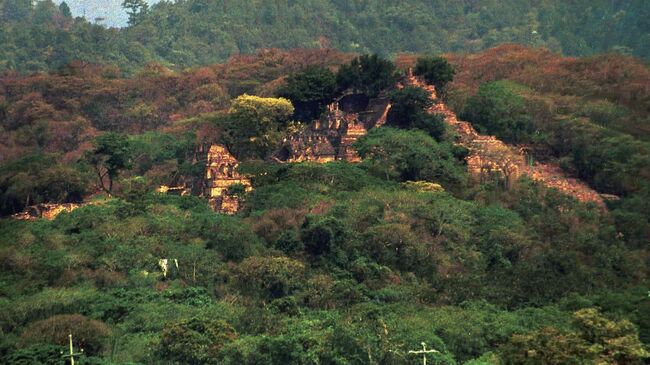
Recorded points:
(188,33)
(335,261)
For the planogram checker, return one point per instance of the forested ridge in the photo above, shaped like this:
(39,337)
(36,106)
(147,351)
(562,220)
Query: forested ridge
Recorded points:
(335,263)
(198,32)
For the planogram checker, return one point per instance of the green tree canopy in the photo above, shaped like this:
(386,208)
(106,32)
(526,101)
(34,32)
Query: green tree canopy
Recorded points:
(409,155)
(16,10)
(38,178)
(369,74)
(498,109)
(65,9)
(195,340)
(111,154)
(254,125)
(198,32)
(595,340)
(136,9)
(410,110)
(309,91)
(315,83)
(436,71)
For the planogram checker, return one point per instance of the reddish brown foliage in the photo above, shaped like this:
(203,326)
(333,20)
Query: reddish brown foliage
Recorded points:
(620,79)
(60,112)
(270,225)
(87,333)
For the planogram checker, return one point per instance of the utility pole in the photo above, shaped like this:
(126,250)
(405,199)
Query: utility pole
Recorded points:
(72,354)
(424,352)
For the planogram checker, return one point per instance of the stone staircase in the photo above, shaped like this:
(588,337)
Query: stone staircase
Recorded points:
(489,155)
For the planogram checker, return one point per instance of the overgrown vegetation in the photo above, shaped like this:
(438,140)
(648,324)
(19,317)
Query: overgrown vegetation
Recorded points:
(590,114)
(332,263)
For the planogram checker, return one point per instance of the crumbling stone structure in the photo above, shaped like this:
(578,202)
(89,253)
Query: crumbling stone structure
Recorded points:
(309,145)
(181,190)
(46,211)
(221,175)
(353,131)
(490,159)
(331,138)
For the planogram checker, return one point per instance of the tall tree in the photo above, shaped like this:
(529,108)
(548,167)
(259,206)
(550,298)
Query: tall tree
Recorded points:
(409,155)
(436,71)
(367,74)
(409,110)
(498,109)
(65,10)
(111,154)
(309,91)
(136,9)
(44,12)
(255,124)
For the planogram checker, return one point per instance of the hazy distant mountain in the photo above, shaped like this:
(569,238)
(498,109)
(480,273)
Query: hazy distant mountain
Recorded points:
(109,10)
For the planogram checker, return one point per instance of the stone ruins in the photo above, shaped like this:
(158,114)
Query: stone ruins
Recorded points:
(331,137)
(46,211)
(327,139)
(490,158)
(221,175)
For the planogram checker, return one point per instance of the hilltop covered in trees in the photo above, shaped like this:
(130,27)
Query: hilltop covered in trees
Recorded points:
(199,32)
(333,263)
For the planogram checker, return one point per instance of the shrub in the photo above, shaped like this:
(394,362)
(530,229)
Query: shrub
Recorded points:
(289,242)
(88,334)
(37,355)
(498,109)
(195,341)
(397,246)
(48,302)
(326,236)
(405,155)
(232,238)
(595,340)
(269,277)
(367,74)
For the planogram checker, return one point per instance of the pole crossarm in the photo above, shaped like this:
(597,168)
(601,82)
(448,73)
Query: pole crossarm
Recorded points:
(424,352)
(72,354)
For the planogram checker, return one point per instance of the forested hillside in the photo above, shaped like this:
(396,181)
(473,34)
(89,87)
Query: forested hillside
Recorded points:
(199,32)
(590,114)
(45,36)
(325,263)
(332,182)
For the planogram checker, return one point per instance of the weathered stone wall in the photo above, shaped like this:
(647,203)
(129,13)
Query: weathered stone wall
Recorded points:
(353,131)
(46,211)
(331,138)
(221,174)
(489,158)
